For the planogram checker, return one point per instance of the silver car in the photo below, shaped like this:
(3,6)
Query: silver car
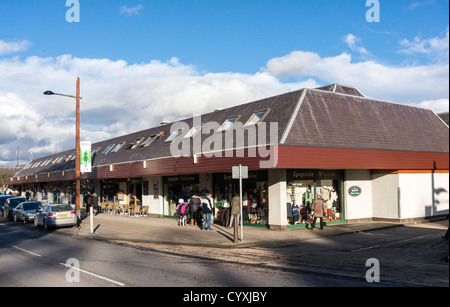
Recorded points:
(26,211)
(54,215)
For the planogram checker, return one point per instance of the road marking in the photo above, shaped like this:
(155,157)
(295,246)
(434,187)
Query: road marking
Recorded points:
(24,250)
(95,275)
(388,243)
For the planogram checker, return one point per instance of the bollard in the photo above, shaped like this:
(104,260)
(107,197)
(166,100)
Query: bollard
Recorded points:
(235,228)
(91,217)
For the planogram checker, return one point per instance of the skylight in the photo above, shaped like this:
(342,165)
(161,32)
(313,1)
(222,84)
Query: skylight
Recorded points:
(107,149)
(227,124)
(117,148)
(135,144)
(148,141)
(256,117)
(192,132)
(174,135)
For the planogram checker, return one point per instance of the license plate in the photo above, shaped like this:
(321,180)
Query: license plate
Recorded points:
(63,215)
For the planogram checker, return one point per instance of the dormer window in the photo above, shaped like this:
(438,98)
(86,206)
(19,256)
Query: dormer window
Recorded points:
(107,149)
(148,141)
(174,135)
(228,124)
(256,117)
(95,151)
(135,144)
(118,147)
(192,132)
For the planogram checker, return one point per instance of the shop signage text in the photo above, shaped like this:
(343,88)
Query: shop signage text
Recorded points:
(313,174)
(354,191)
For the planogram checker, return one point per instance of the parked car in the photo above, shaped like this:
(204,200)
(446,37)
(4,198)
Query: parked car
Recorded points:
(10,204)
(54,215)
(3,198)
(26,211)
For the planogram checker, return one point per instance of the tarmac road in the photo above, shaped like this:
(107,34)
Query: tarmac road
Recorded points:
(413,255)
(31,257)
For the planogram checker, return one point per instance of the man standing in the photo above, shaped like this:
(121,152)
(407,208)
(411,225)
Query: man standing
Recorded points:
(318,207)
(207,209)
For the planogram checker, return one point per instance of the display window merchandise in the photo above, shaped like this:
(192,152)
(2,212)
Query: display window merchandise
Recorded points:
(304,186)
(255,207)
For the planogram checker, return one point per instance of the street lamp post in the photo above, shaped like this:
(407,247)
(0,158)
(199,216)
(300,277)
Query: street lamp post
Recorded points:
(77,145)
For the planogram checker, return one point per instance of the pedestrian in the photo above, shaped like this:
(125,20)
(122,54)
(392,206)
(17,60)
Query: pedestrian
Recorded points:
(207,209)
(318,209)
(235,209)
(95,203)
(27,195)
(194,204)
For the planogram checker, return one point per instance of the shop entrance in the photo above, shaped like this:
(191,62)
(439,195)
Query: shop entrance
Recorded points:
(304,186)
(176,189)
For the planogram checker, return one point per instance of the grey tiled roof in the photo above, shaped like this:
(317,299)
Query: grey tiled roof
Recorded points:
(330,116)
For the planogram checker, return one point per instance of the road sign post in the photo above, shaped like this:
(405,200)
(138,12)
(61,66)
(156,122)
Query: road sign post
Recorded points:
(240,172)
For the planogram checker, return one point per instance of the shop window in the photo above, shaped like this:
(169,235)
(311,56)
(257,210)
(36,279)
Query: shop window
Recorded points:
(228,124)
(174,135)
(108,149)
(256,117)
(192,132)
(301,194)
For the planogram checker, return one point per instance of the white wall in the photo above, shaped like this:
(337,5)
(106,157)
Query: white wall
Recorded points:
(277,199)
(155,204)
(385,196)
(359,207)
(417,194)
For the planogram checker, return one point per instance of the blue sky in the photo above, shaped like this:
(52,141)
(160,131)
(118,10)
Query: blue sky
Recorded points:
(218,35)
(161,56)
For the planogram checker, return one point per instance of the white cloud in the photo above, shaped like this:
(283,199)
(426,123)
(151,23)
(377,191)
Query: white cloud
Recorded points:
(13,47)
(394,83)
(353,42)
(437,105)
(118,98)
(121,98)
(130,11)
(435,46)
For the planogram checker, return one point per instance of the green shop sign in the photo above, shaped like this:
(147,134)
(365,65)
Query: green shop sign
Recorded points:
(354,191)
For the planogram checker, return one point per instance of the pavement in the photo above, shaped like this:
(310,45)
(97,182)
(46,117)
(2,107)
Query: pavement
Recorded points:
(148,229)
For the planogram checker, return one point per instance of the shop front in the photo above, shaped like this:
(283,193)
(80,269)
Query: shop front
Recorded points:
(304,186)
(254,195)
(176,189)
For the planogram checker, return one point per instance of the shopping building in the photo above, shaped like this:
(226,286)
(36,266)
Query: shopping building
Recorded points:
(368,159)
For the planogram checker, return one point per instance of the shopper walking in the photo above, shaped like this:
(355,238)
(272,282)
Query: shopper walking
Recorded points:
(235,209)
(194,204)
(207,209)
(318,209)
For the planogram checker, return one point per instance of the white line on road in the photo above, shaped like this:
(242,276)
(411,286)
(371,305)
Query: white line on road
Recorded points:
(95,275)
(24,250)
